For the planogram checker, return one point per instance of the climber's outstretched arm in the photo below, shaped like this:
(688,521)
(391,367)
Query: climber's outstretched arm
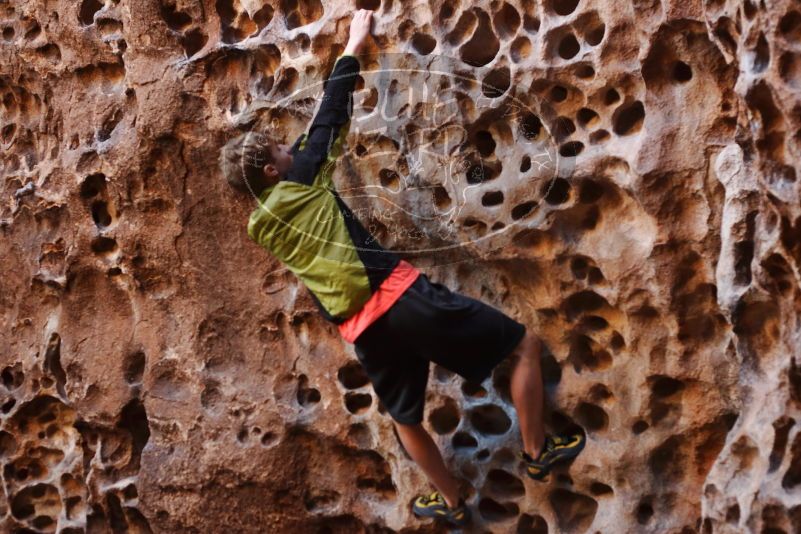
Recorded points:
(333,116)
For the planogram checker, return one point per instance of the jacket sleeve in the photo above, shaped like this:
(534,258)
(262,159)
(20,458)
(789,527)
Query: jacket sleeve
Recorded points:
(296,145)
(329,123)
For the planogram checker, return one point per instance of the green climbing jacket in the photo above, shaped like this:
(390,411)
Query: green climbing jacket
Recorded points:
(303,221)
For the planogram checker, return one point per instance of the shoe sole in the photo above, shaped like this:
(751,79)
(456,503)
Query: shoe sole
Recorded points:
(442,518)
(565,454)
(430,514)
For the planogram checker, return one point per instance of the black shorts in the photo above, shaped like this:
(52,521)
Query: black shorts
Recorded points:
(430,323)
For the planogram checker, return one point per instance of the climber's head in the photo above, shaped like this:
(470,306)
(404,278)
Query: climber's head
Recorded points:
(253,161)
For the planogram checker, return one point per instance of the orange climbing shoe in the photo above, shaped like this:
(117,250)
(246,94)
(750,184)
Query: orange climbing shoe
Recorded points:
(434,505)
(556,449)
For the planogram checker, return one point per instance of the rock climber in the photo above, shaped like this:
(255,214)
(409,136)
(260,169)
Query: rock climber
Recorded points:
(396,318)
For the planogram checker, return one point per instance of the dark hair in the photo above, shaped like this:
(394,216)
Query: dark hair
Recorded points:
(242,161)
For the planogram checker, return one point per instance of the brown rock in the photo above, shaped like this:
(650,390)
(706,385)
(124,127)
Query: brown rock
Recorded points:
(622,177)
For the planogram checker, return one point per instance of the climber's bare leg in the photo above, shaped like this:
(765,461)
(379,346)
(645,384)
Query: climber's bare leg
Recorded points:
(418,443)
(527,393)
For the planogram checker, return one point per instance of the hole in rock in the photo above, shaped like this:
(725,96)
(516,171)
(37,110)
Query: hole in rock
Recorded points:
(268,438)
(463,28)
(639,427)
(489,419)
(592,417)
(749,9)
(389,179)
(175,19)
(761,54)
(471,389)
(584,71)
(445,418)
(520,49)
(564,7)
(587,117)
(477,226)
(790,25)
(790,69)
(483,46)
(305,395)
(590,191)
(493,511)
(531,24)
(665,386)
(574,511)
(667,460)
(559,94)
(193,41)
(599,489)
(492,198)
(507,21)
(441,374)
(103,245)
(611,97)
(134,367)
(595,35)
(496,83)
(628,118)
(372,5)
(644,512)
(352,375)
(578,266)
(442,199)
(599,136)
(463,440)
(93,185)
(299,12)
(583,302)
(781,431)
(571,149)
(504,484)
(528,524)
(593,323)
(682,72)
(86,14)
(423,43)
(531,126)
(568,46)
(595,276)
(8,405)
(522,210)
(562,128)
(792,477)
(557,191)
(733,514)
(357,403)
(525,164)
(600,392)
(100,214)
(446,11)
(485,143)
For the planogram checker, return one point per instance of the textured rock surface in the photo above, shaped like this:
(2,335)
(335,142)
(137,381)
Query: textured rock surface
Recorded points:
(161,373)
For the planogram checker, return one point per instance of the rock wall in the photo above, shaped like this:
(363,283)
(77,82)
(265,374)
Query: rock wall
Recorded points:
(161,373)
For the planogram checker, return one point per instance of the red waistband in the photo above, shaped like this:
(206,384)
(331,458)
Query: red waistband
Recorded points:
(390,290)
